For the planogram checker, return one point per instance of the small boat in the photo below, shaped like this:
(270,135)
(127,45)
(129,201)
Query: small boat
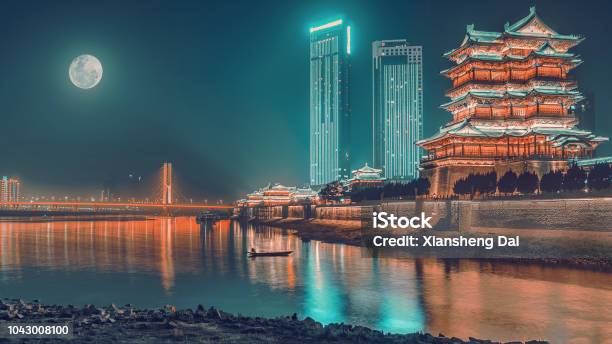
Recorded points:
(269,254)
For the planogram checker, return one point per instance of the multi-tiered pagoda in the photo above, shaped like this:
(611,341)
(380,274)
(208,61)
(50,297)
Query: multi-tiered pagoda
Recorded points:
(512,106)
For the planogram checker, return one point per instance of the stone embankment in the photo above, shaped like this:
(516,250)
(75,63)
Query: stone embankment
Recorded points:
(571,232)
(580,214)
(128,324)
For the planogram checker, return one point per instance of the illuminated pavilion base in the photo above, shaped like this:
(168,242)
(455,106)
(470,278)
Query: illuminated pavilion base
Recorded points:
(443,173)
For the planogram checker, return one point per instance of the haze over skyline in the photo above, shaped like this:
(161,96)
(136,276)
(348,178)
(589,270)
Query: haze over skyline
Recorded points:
(221,89)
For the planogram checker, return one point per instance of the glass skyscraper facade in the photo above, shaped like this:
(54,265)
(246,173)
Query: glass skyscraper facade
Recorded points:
(330,112)
(397,115)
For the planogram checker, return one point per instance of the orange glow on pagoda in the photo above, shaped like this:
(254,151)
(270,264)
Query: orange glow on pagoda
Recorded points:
(511,100)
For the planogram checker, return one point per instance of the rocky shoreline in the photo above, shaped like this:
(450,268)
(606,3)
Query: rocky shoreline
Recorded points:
(350,233)
(127,324)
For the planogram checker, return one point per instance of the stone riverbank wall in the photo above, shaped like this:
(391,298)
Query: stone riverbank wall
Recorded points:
(594,214)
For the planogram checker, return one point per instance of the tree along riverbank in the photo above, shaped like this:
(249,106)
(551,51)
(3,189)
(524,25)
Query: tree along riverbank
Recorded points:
(128,324)
(589,257)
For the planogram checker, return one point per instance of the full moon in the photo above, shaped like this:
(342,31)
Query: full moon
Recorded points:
(85,71)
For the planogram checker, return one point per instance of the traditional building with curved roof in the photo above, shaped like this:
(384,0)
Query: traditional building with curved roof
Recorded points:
(511,103)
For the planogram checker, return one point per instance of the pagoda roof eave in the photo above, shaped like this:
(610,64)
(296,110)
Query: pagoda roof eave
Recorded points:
(476,36)
(515,28)
(496,58)
(577,62)
(367,178)
(486,94)
(559,55)
(523,21)
(575,38)
(565,139)
(594,161)
(367,169)
(467,43)
(493,37)
(558,135)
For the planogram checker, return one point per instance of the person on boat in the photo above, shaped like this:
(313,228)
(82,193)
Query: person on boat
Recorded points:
(253,250)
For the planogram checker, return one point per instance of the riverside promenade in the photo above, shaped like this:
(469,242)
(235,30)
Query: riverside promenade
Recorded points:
(580,214)
(574,230)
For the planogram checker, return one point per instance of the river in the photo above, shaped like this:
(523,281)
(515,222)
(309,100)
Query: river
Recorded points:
(159,261)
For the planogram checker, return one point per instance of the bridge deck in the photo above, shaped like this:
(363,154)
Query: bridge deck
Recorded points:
(113,205)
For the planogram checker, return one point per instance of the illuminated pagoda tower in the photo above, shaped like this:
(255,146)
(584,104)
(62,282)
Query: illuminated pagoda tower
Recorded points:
(511,101)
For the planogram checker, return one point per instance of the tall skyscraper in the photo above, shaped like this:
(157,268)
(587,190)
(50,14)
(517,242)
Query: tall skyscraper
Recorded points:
(397,114)
(10,189)
(14,186)
(4,194)
(330,112)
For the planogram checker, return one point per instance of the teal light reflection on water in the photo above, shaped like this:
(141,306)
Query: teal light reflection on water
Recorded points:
(400,313)
(400,309)
(335,290)
(322,299)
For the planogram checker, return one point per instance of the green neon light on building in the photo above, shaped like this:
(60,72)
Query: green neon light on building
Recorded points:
(326,26)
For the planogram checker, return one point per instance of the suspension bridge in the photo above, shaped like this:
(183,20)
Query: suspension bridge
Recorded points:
(165,200)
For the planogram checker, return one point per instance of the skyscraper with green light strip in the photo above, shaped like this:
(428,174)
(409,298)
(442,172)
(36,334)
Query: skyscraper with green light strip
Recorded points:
(330,110)
(397,114)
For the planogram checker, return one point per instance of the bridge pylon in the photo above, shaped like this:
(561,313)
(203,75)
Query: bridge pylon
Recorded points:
(167,183)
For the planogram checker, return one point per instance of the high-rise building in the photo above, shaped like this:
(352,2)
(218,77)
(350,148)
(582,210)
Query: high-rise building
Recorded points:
(14,190)
(511,103)
(4,189)
(397,114)
(10,189)
(330,112)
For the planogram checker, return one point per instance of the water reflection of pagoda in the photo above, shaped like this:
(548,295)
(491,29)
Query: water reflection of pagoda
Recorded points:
(511,102)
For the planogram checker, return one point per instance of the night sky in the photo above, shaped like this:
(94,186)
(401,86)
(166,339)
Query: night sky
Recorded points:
(221,88)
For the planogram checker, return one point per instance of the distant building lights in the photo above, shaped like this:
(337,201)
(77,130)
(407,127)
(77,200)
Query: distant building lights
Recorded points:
(348,40)
(326,26)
